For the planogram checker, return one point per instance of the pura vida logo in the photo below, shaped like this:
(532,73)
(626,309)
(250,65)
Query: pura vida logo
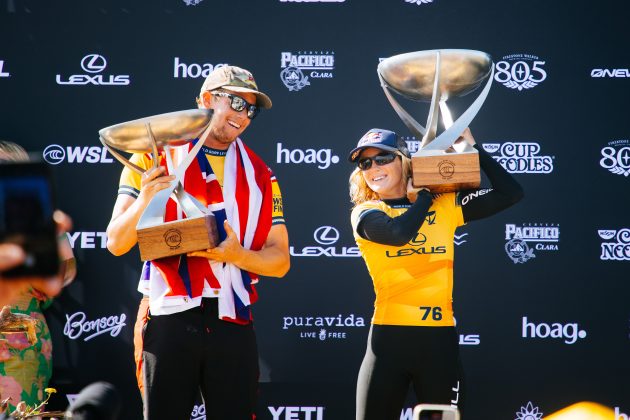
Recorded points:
(520,71)
(522,240)
(93,65)
(616,157)
(520,157)
(616,245)
(323,328)
(298,68)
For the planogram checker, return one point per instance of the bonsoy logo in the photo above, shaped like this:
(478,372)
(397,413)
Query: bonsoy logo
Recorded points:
(77,325)
(323,158)
(616,157)
(56,154)
(297,68)
(94,64)
(520,157)
(542,236)
(520,71)
(616,245)
(569,333)
(326,237)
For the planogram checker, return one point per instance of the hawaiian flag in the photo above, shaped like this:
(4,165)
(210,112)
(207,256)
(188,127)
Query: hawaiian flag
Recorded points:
(246,203)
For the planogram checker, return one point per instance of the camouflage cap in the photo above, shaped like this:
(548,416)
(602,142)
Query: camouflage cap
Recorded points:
(235,79)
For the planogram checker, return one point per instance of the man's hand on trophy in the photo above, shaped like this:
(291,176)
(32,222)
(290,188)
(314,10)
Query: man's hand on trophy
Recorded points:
(153,181)
(463,141)
(229,251)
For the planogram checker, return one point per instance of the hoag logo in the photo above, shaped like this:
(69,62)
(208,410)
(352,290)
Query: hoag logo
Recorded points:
(520,71)
(327,237)
(297,413)
(617,245)
(93,64)
(193,70)
(543,237)
(569,333)
(616,157)
(297,68)
(55,154)
(323,158)
(2,72)
(520,158)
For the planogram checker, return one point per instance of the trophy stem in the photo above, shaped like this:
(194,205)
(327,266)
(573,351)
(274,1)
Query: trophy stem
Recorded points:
(154,147)
(434,109)
(447,118)
(413,125)
(121,158)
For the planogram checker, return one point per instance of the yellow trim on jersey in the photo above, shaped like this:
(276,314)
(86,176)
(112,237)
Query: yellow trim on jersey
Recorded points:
(413,283)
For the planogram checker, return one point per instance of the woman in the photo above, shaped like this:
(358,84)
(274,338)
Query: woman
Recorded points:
(406,239)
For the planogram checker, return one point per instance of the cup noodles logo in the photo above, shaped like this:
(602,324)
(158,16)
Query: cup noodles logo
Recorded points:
(616,245)
(520,157)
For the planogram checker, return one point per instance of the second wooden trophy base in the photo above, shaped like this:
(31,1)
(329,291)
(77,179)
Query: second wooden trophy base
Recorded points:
(177,237)
(443,172)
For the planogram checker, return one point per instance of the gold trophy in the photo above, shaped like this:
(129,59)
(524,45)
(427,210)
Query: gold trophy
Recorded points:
(436,76)
(156,238)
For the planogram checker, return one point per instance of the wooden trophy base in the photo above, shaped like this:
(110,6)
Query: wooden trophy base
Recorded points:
(177,237)
(443,172)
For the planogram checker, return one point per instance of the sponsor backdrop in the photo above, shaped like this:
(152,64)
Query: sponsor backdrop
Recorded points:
(541,290)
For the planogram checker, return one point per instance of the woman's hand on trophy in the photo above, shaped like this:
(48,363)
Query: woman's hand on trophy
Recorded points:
(412,192)
(153,181)
(229,251)
(462,141)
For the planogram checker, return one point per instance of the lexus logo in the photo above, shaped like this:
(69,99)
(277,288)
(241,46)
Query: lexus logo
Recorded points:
(54,154)
(418,240)
(93,63)
(326,235)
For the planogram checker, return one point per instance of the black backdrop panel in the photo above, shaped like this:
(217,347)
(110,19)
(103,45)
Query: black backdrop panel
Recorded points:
(547,324)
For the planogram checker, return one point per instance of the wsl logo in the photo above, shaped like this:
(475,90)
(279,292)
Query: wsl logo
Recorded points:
(323,158)
(529,412)
(520,71)
(616,246)
(616,157)
(542,237)
(297,68)
(326,237)
(520,158)
(94,64)
(55,154)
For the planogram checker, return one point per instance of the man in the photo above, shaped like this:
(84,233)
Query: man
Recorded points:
(198,333)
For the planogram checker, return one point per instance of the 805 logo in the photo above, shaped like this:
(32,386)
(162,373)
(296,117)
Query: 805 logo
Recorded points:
(616,157)
(520,71)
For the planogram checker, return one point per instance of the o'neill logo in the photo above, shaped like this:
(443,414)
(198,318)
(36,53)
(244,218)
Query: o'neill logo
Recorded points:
(617,245)
(616,157)
(529,412)
(323,327)
(611,73)
(520,158)
(55,154)
(2,72)
(297,68)
(520,71)
(543,237)
(93,64)
(326,237)
(76,326)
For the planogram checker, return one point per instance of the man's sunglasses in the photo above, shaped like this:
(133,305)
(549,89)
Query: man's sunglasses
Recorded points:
(238,104)
(380,160)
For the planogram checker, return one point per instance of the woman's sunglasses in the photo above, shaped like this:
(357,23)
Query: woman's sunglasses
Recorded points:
(238,104)
(380,160)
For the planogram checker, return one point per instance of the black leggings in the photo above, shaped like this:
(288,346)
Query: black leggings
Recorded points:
(194,350)
(396,356)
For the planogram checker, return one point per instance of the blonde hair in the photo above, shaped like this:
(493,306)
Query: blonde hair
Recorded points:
(360,192)
(10,151)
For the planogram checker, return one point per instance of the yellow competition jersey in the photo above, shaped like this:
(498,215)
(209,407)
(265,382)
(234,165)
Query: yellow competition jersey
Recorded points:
(414,282)
(130,180)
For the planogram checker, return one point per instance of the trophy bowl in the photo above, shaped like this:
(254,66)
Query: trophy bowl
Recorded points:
(173,129)
(412,74)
